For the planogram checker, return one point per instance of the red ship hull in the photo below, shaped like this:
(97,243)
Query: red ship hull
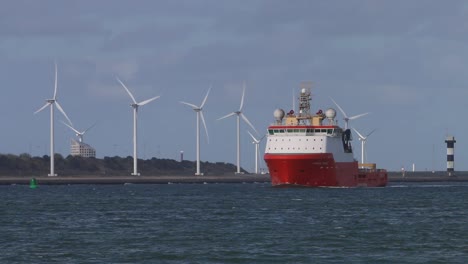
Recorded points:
(320,170)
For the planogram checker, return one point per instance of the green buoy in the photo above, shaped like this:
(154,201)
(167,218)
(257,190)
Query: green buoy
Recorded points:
(33,183)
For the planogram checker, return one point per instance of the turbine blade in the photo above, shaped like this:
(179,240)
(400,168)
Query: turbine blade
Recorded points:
(254,139)
(248,122)
(126,89)
(42,108)
(148,101)
(359,134)
(357,116)
(206,97)
(189,104)
(226,116)
(59,107)
(337,105)
(204,124)
(72,128)
(55,86)
(242,99)
(89,128)
(371,133)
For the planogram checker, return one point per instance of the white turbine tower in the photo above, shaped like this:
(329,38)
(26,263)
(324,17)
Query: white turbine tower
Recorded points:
(345,117)
(199,111)
(78,133)
(135,106)
(363,140)
(53,102)
(257,149)
(239,115)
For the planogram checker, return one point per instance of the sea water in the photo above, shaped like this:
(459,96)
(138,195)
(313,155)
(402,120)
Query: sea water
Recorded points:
(234,223)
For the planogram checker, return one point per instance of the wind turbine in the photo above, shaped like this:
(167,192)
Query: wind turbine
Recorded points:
(363,140)
(53,102)
(346,118)
(199,111)
(239,115)
(78,133)
(135,106)
(257,148)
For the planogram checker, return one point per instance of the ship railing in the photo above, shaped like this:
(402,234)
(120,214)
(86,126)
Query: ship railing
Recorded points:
(367,166)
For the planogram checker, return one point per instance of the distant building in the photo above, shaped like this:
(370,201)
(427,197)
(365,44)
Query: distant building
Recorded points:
(82,149)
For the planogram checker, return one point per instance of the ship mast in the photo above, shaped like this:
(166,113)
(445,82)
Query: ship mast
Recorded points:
(304,103)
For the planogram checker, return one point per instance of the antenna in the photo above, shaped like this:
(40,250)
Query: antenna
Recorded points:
(304,99)
(293,100)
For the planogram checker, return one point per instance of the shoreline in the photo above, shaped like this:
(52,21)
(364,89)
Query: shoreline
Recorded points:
(192,179)
(64,180)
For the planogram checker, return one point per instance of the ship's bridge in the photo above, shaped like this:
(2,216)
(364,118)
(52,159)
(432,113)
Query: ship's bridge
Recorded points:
(331,131)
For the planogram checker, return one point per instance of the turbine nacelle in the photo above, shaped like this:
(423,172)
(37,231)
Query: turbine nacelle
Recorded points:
(51,103)
(135,105)
(346,118)
(257,146)
(78,134)
(199,111)
(246,120)
(363,140)
(255,140)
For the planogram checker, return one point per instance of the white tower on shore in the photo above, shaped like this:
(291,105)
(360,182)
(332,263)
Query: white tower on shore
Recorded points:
(53,102)
(135,107)
(239,115)
(199,111)
(257,149)
(363,140)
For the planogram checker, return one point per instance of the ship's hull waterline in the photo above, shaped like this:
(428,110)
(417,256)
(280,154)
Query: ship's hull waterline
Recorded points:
(320,170)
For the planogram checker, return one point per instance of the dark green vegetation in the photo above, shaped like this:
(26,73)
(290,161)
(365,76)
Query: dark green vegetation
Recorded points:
(26,165)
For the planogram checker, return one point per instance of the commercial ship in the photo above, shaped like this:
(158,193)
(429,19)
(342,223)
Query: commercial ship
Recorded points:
(311,150)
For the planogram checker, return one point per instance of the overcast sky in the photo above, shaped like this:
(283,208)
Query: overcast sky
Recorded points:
(406,62)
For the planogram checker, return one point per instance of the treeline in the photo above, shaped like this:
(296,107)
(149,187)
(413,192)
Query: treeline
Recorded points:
(26,165)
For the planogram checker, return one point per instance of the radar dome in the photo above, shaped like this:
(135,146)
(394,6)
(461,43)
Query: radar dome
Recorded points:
(278,114)
(330,113)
